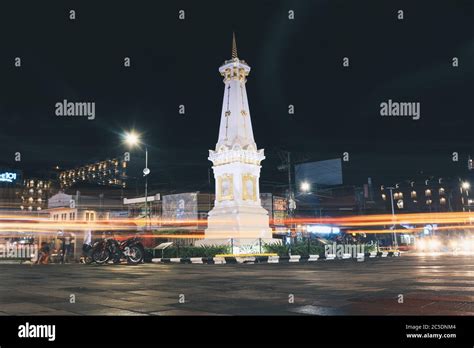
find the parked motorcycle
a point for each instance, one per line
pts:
(108, 249)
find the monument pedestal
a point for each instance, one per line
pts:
(243, 228)
(238, 222)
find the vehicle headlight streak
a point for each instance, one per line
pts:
(366, 224)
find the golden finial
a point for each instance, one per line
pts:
(234, 46)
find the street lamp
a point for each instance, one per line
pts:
(466, 185)
(395, 243)
(133, 139)
(305, 186)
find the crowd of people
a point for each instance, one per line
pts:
(61, 253)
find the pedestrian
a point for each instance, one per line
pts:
(44, 254)
(87, 239)
(87, 247)
(65, 248)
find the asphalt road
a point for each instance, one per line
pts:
(430, 285)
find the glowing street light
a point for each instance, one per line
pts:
(465, 185)
(305, 186)
(132, 138)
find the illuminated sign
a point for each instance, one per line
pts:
(322, 229)
(7, 177)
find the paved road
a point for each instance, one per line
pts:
(430, 285)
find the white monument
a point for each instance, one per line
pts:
(237, 212)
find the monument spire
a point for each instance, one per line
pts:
(234, 47)
(236, 124)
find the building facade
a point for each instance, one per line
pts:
(34, 194)
(108, 173)
(429, 195)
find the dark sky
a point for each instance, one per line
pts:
(295, 62)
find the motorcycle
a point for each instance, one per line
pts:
(108, 249)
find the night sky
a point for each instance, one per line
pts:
(295, 62)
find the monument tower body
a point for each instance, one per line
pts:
(237, 212)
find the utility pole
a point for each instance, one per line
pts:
(290, 189)
(285, 157)
(291, 196)
(395, 243)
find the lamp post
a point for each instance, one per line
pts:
(305, 187)
(133, 139)
(395, 243)
(146, 171)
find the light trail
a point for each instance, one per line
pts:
(412, 230)
(388, 219)
(15, 223)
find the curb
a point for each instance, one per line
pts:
(273, 259)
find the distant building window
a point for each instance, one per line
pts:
(441, 191)
(398, 195)
(428, 193)
(442, 201)
(428, 202)
(384, 197)
(413, 194)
